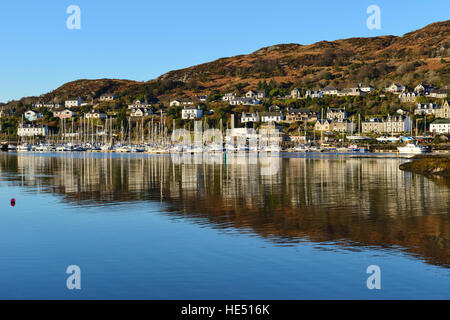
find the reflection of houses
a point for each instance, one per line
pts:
(307, 198)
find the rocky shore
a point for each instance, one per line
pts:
(430, 165)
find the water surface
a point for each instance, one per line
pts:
(162, 227)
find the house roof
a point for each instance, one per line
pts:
(271, 114)
(441, 121)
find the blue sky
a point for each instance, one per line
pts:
(140, 40)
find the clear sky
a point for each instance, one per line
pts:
(142, 39)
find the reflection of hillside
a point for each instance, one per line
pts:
(352, 201)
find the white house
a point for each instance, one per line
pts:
(141, 112)
(93, 114)
(336, 113)
(27, 130)
(261, 94)
(251, 94)
(272, 116)
(108, 97)
(408, 96)
(296, 93)
(330, 90)
(440, 94)
(31, 115)
(139, 104)
(229, 96)
(440, 126)
(397, 124)
(49, 105)
(175, 103)
(64, 114)
(395, 88)
(423, 88)
(426, 108)
(244, 101)
(313, 94)
(73, 103)
(366, 88)
(191, 113)
(249, 117)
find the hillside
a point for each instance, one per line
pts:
(418, 56)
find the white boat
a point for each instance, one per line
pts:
(43, 148)
(23, 147)
(123, 149)
(412, 148)
(137, 149)
(12, 147)
(355, 148)
(215, 147)
(272, 148)
(106, 147)
(301, 148)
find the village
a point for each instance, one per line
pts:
(104, 123)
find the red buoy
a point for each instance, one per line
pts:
(13, 202)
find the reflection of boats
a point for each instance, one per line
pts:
(412, 148)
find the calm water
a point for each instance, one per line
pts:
(161, 227)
